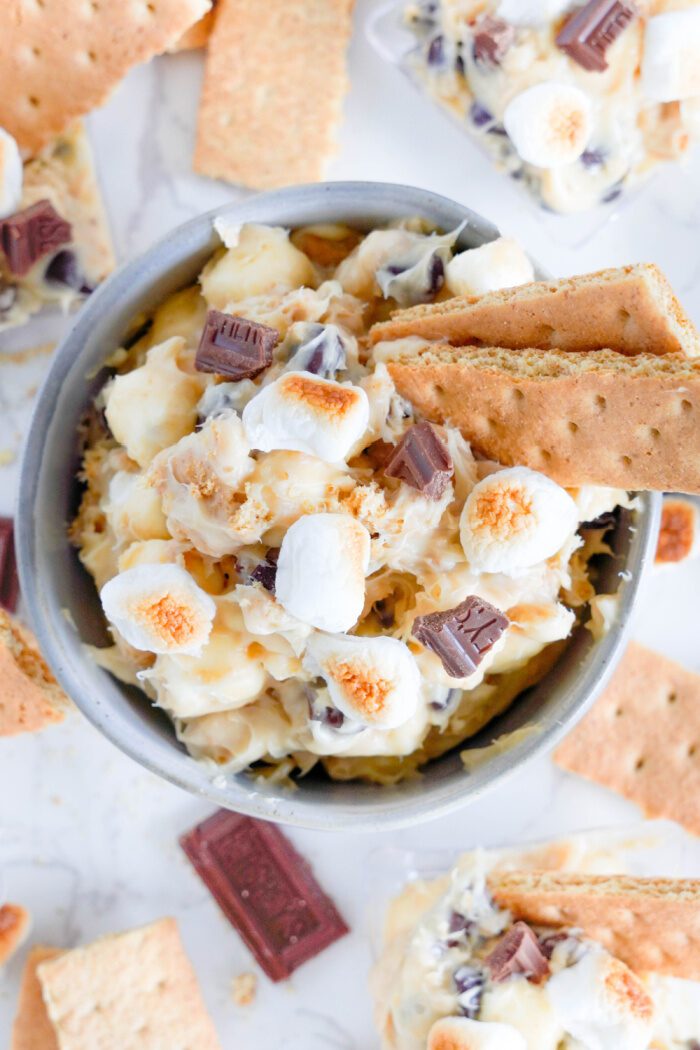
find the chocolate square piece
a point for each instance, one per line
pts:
(461, 636)
(266, 890)
(518, 952)
(588, 34)
(491, 39)
(234, 346)
(421, 459)
(9, 580)
(30, 234)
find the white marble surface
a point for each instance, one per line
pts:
(89, 840)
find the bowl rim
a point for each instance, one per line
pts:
(444, 797)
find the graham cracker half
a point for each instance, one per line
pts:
(32, 1029)
(590, 418)
(197, 35)
(14, 927)
(62, 58)
(30, 697)
(273, 90)
(631, 309)
(642, 737)
(650, 924)
(128, 991)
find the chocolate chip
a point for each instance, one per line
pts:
(492, 37)
(331, 716)
(450, 700)
(234, 346)
(421, 459)
(30, 234)
(480, 115)
(549, 943)
(64, 269)
(590, 31)
(460, 927)
(518, 952)
(321, 352)
(461, 636)
(469, 982)
(266, 572)
(436, 51)
(592, 158)
(612, 194)
(9, 580)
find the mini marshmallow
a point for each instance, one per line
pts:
(461, 1033)
(499, 264)
(304, 413)
(374, 681)
(514, 519)
(159, 609)
(600, 1002)
(671, 61)
(321, 571)
(11, 173)
(532, 13)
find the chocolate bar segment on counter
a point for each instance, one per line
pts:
(266, 890)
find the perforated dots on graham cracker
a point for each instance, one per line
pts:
(642, 737)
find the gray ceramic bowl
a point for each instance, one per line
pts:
(63, 602)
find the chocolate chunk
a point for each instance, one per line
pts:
(265, 889)
(518, 952)
(461, 636)
(604, 521)
(491, 39)
(9, 580)
(469, 983)
(479, 115)
(459, 927)
(266, 572)
(321, 352)
(421, 460)
(549, 943)
(588, 34)
(436, 51)
(64, 269)
(30, 234)
(233, 346)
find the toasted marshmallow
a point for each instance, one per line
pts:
(11, 172)
(321, 570)
(671, 66)
(304, 413)
(514, 519)
(159, 609)
(600, 1002)
(532, 13)
(499, 264)
(371, 680)
(461, 1033)
(550, 123)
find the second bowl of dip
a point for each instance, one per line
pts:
(344, 788)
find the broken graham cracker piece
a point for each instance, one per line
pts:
(14, 927)
(651, 924)
(273, 91)
(30, 697)
(197, 35)
(591, 418)
(642, 737)
(631, 309)
(64, 57)
(128, 991)
(32, 1029)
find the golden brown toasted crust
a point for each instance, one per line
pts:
(64, 57)
(14, 927)
(642, 737)
(651, 924)
(30, 697)
(631, 309)
(273, 91)
(128, 991)
(598, 418)
(678, 531)
(32, 1029)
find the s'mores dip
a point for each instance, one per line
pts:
(295, 564)
(576, 99)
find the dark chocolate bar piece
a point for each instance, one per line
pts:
(30, 234)
(463, 635)
(422, 460)
(234, 346)
(518, 952)
(266, 890)
(9, 580)
(491, 39)
(588, 34)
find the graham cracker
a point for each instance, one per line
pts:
(128, 991)
(30, 697)
(651, 924)
(14, 927)
(642, 737)
(32, 1029)
(273, 91)
(197, 35)
(630, 309)
(64, 57)
(590, 418)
